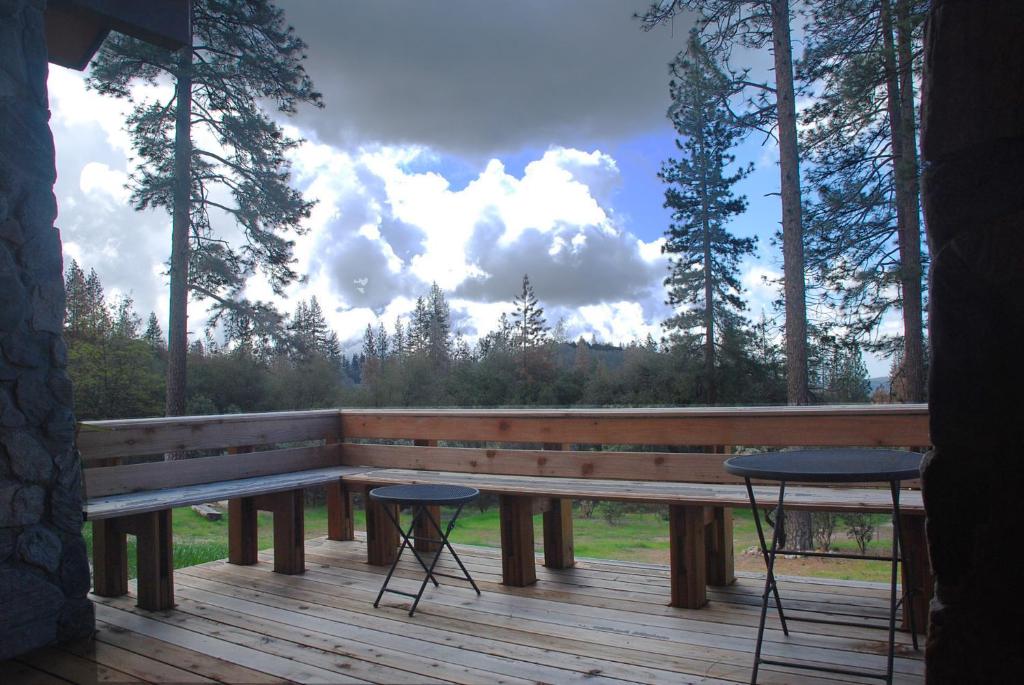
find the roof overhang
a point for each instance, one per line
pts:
(75, 29)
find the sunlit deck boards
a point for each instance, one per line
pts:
(601, 622)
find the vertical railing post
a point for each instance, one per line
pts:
(381, 535)
(341, 524)
(688, 567)
(558, 538)
(518, 562)
(423, 528)
(721, 567)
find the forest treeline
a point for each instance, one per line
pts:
(117, 362)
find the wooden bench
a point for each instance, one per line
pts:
(137, 499)
(697, 491)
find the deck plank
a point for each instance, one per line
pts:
(605, 623)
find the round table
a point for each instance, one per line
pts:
(421, 497)
(832, 466)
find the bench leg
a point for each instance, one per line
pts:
(425, 530)
(518, 564)
(558, 549)
(720, 564)
(340, 513)
(381, 535)
(109, 559)
(242, 531)
(922, 582)
(289, 529)
(156, 561)
(687, 556)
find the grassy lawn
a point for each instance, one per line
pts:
(635, 536)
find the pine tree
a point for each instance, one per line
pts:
(369, 343)
(439, 330)
(154, 335)
(528, 324)
(87, 316)
(724, 26)
(398, 339)
(704, 256)
(419, 328)
(383, 343)
(125, 322)
(242, 54)
(864, 230)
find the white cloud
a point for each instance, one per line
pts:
(97, 177)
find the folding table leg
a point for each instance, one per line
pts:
(769, 582)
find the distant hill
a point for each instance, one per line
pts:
(880, 382)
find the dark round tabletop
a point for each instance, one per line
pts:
(839, 465)
(425, 494)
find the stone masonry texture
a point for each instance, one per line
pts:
(44, 571)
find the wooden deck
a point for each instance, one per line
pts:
(601, 622)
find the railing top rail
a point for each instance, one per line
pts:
(206, 419)
(652, 412)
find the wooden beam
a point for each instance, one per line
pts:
(139, 437)
(239, 463)
(518, 563)
(916, 552)
(381, 534)
(424, 531)
(688, 566)
(109, 559)
(243, 540)
(155, 560)
(689, 467)
(341, 524)
(721, 568)
(558, 535)
(867, 425)
(288, 508)
(557, 517)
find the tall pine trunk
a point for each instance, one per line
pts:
(177, 343)
(909, 200)
(798, 523)
(792, 220)
(709, 291)
(900, 97)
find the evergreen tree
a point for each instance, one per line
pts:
(86, 314)
(382, 341)
(529, 328)
(154, 335)
(419, 328)
(125, 322)
(439, 330)
(242, 54)
(370, 347)
(724, 26)
(864, 230)
(398, 339)
(704, 256)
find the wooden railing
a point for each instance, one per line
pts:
(605, 444)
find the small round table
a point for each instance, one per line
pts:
(420, 498)
(831, 466)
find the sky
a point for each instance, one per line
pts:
(462, 143)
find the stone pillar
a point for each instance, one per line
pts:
(44, 572)
(973, 153)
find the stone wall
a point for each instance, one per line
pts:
(44, 572)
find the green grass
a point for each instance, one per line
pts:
(635, 536)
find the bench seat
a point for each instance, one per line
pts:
(700, 520)
(169, 498)
(804, 497)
